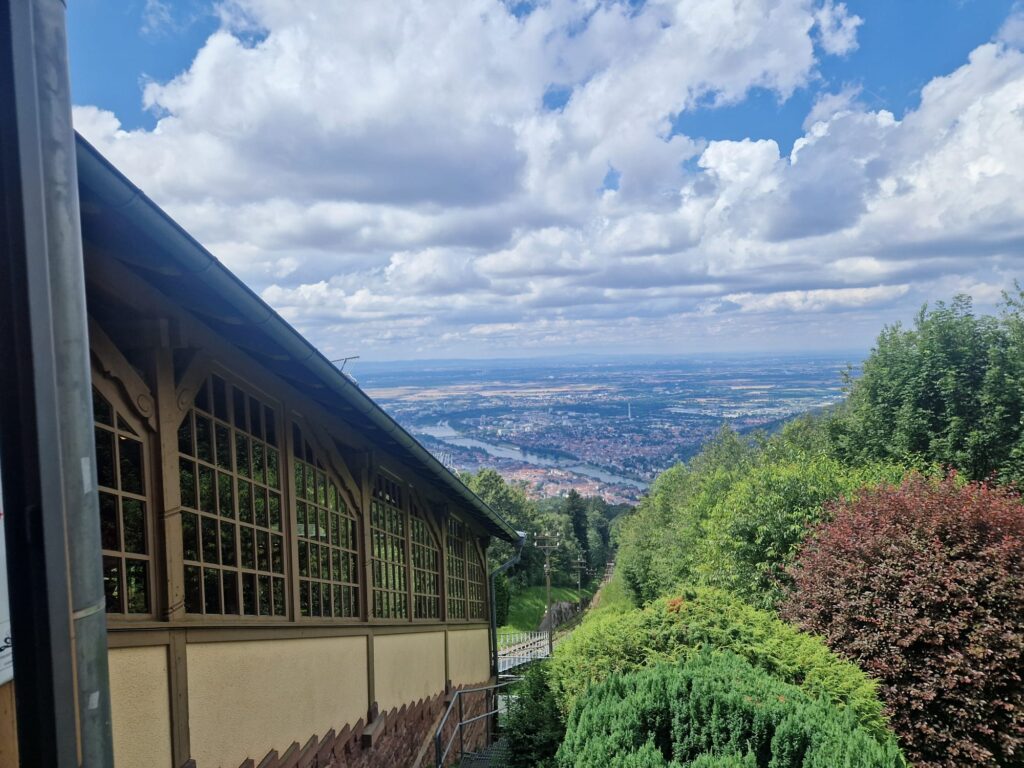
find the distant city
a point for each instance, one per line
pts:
(604, 428)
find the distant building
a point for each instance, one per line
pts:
(283, 563)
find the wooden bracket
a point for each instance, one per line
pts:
(113, 366)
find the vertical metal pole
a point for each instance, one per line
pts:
(46, 444)
(462, 745)
(551, 619)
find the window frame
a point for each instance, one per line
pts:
(121, 406)
(331, 463)
(418, 510)
(478, 560)
(246, 384)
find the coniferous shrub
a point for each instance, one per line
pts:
(715, 709)
(923, 586)
(673, 629)
(533, 726)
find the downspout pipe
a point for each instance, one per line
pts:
(521, 541)
(58, 358)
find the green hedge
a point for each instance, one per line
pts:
(533, 726)
(715, 709)
(673, 629)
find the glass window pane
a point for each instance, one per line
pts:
(105, 471)
(204, 438)
(220, 399)
(223, 435)
(264, 585)
(274, 501)
(271, 424)
(277, 554)
(211, 549)
(211, 590)
(203, 397)
(207, 490)
(190, 535)
(125, 426)
(230, 592)
(226, 495)
(112, 584)
(238, 399)
(227, 543)
(245, 501)
(108, 521)
(249, 593)
(193, 589)
(248, 547)
(185, 436)
(272, 468)
(262, 551)
(102, 412)
(260, 505)
(136, 575)
(133, 514)
(257, 461)
(256, 417)
(187, 477)
(242, 454)
(279, 599)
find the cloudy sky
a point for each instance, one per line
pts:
(485, 178)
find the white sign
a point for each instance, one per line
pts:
(6, 654)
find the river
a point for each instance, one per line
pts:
(447, 434)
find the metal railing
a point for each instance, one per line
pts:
(518, 648)
(442, 748)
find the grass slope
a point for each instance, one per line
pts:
(527, 608)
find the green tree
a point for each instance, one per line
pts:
(948, 391)
(576, 511)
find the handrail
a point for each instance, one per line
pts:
(441, 755)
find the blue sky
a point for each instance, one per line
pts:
(509, 178)
(116, 47)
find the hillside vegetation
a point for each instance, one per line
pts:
(527, 605)
(866, 565)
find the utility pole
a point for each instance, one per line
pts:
(548, 543)
(581, 566)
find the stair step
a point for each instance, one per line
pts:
(495, 755)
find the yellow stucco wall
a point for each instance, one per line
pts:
(141, 707)
(407, 668)
(468, 656)
(247, 698)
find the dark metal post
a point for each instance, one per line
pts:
(46, 444)
(548, 544)
(462, 744)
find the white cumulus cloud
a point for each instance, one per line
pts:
(391, 177)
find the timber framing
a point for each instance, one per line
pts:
(170, 336)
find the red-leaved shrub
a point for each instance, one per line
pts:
(923, 586)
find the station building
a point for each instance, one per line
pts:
(288, 572)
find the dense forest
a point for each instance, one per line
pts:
(846, 591)
(581, 525)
